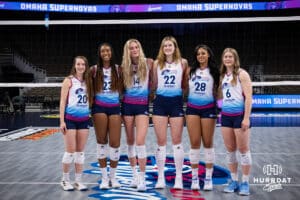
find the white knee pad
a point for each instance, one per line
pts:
(160, 153)
(114, 154)
(209, 155)
(194, 156)
(102, 151)
(68, 158)
(79, 157)
(231, 157)
(141, 151)
(131, 151)
(246, 158)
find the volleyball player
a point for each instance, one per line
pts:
(74, 122)
(236, 108)
(106, 83)
(135, 107)
(168, 71)
(202, 80)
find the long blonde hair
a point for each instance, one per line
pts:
(127, 68)
(236, 65)
(161, 57)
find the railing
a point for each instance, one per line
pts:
(23, 65)
(54, 79)
(6, 56)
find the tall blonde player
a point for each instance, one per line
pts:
(168, 71)
(135, 107)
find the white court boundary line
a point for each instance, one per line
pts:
(148, 21)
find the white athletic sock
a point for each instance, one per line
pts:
(112, 173)
(194, 173)
(142, 175)
(134, 171)
(208, 173)
(178, 158)
(104, 172)
(234, 176)
(160, 160)
(78, 177)
(245, 178)
(66, 177)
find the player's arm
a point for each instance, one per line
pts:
(63, 101)
(247, 91)
(150, 84)
(154, 78)
(185, 81)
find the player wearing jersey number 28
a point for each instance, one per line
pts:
(202, 79)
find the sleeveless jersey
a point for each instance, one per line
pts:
(233, 99)
(138, 92)
(201, 85)
(169, 80)
(107, 97)
(77, 108)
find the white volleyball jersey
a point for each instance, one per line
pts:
(201, 85)
(233, 98)
(77, 107)
(107, 97)
(169, 80)
(138, 92)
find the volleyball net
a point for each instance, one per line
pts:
(275, 103)
(280, 94)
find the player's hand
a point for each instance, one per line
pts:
(63, 127)
(245, 124)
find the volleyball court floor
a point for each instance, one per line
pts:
(31, 166)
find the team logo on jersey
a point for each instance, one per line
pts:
(124, 175)
(79, 91)
(225, 85)
(168, 72)
(165, 72)
(196, 78)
